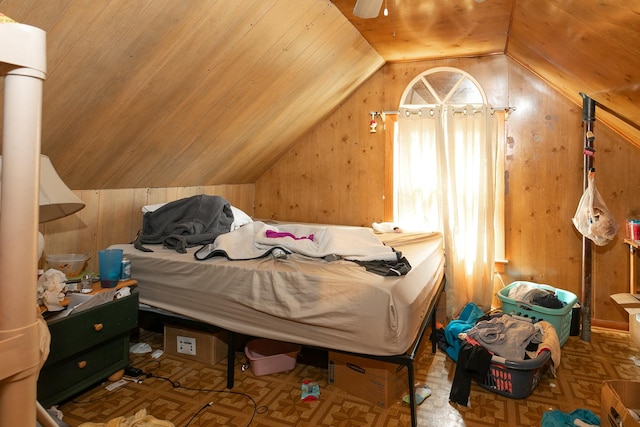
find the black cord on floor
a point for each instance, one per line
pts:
(175, 384)
(198, 413)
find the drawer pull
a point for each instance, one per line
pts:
(82, 364)
(98, 327)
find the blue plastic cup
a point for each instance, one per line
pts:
(110, 264)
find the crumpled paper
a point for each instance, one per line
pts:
(50, 289)
(123, 292)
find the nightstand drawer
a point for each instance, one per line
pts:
(81, 331)
(70, 376)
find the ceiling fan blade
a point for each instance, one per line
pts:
(367, 8)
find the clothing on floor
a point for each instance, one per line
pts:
(468, 317)
(473, 361)
(139, 419)
(579, 417)
(437, 337)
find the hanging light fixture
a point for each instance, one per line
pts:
(385, 12)
(367, 9)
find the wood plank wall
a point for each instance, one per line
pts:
(115, 216)
(335, 174)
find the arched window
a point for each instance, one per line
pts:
(442, 86)
(445, 170)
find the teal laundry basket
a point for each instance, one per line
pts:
(560, 318)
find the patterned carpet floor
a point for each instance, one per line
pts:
(190, 393)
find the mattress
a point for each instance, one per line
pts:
(306, 300)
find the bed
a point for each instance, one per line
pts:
(337, 305)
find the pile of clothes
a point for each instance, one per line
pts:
(475, 337)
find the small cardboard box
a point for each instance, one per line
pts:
(631, 303)
(205, 347)
(379, 382)
(620, 404)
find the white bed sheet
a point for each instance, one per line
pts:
(336, 305)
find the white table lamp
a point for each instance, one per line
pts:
(56, 199)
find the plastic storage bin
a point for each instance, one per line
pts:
(560, 318)
(516, 380)
(268, 356)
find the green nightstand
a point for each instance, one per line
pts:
(87, 347)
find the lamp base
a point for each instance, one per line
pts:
(40, 245)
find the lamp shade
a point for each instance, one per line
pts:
(56, 199)
(367, 9)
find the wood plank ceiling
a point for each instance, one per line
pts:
(433, 29)
(578, 46)
(159, 93)
(192, 92)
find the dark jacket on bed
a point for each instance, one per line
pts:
(192, 221)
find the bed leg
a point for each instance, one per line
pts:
(231, 358)
(433, 332)
(412, 395)
(434, 322)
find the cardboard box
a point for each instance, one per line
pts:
(205, 347)
(634, 327)
(620, 404)
(631, 303)
(379, 382)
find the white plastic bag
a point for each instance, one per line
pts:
(592, 218)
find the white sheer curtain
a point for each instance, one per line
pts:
(417, 182)
(445, 180)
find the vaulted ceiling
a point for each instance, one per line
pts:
(578, 46)
(200, 92)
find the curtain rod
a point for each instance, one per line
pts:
(378, 113)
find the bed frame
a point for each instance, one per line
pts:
(410, 302)
(406, 359)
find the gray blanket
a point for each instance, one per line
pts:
(187, 222)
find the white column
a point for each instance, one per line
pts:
(20, 46)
